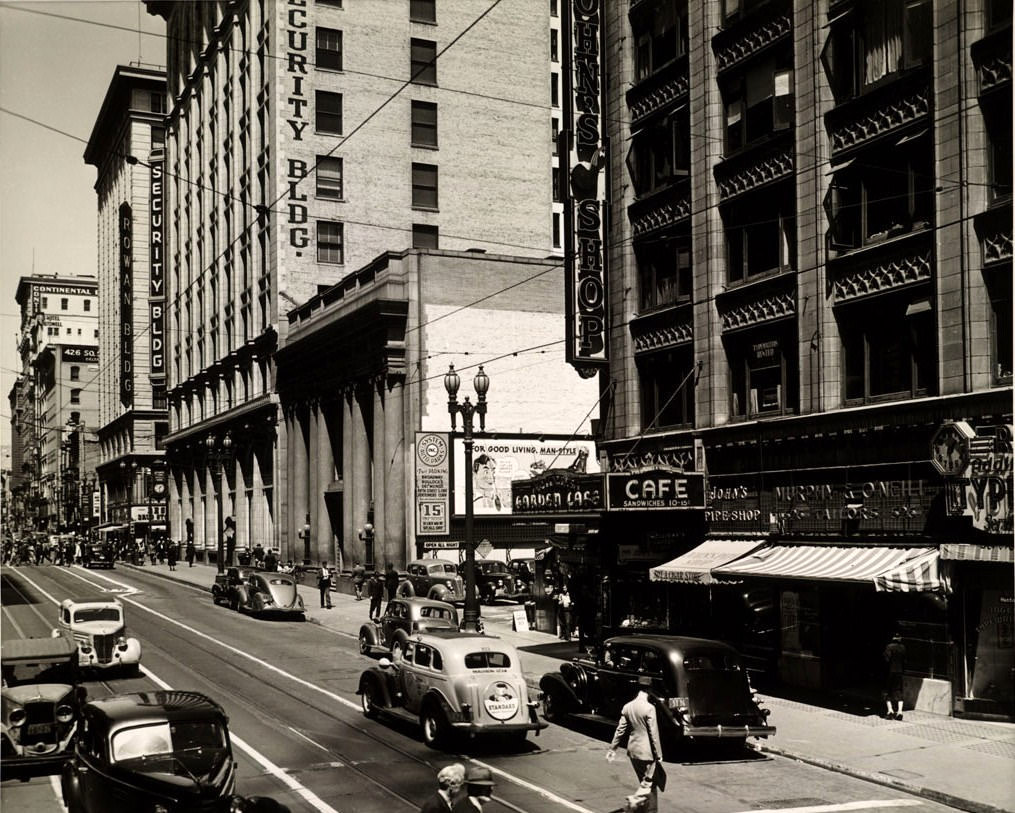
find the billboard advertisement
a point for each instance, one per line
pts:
(433, 483)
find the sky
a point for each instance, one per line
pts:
(55, 71)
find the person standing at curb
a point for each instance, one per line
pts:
(359, 573)
(390, 580)
(324, 585)
(564, 613)
(644, 748)
(895, 663)
(376, 591)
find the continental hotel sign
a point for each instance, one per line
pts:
(582, 148)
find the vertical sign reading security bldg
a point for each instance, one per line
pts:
(586, 198)
(156, 271)
(126, 243)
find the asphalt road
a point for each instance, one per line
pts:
(299, 736)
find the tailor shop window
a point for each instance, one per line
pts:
(888, 349)
(763, 373)
(759, 103)
(667, 388)
(882, 194)
(874, 42)
(659, 31)
(660, 154)
(760, 235)
(664, 272)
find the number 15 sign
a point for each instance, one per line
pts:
(433, 484)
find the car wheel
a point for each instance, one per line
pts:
(553, 706)
(368, 699)
(364, 644)
(434, 730)
(405, 590)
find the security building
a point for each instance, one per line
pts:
(126, 147)
(295, 156)
(809, 289)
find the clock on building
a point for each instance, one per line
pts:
(949, 449)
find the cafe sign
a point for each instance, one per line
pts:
(655, 490)
(558, 491)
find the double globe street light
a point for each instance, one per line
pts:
(219, 452)
(467, 410)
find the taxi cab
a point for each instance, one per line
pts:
(453, 683)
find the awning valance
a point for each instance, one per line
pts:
(893, 569)
(695, 566)
(967, 552)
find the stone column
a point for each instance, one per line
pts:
(395, 543)
(353, 546)
(323, 533)
(361, 465)
(300, 482)
(380, 469)
(287, 514)
(314, 494)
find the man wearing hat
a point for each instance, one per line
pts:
(895, 662)
(479, 789)
(639, 725)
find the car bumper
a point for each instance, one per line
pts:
(485, 728)
(728, 732)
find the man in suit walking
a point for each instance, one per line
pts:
(644, 748)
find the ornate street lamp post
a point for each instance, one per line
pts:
(467, 409)
(219, 453)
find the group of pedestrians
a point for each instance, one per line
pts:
(460, 790)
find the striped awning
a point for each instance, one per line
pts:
(888, 568)
(966, 552)
(695, 566)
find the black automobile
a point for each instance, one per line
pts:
(699, 686)
(225, 590)
(155, 751)
(97, 554)
(495, 580)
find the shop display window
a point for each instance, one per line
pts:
(800, 622)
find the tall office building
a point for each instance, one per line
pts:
(126, 147)
(809, 273)
(305, 139)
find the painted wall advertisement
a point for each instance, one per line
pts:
(433, 484)
(977, 465)
(126, 305)
(156, 271)
(498, 462)
(79, 354)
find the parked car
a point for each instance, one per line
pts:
(496, 580)
(100, 632)
(41, 701)
(700, 687)
(267, 593)
(155, 751)
(433, 578)
(451, 683)
(223, 591)
(402, 618)
(98, 554)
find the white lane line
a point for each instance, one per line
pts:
(124, 589)
(17, 628)
(303, 736)
(869, 804)
(267, 765)
(546, 794)
(54, 781)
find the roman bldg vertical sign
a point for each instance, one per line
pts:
(126, 244)
(297, 103)
(156, 270)
(585, 197)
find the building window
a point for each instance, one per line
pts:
(763, 373)
(88, 305)
(329, 49)
(329, 112)
(159, 400)
(554, 90)
(997, 118)
(45, 301)
(158, 103)
(667, 388)
(661, 154)
(1001, 338)
(555, 182)
(555, 135)
(64, 304)
(333, 3)
(554, 46)
(158, 137)
(424, 236)
(424, 186)
(664, 272)
(760, 240)
(760, 103)
(659, 36)
(423, 11)
(330, 242)
(733, 10)
(329, 177)
(890, 192)
(554, 11)
(556, 229)
(874, 42)
(998, 13)
(75, 396)
(888, 349)
(75, 373)
(423, 62)
(424, 124)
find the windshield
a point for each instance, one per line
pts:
(492, 567)
(198, 743)
(440, 569)
(487, 660)
(97, 614)
(712, 661)
(19, 674)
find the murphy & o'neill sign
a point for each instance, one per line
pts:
(655, 490)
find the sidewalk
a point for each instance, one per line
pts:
(965, 764)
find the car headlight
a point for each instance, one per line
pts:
(64, 713)
(86, 649)
(17, 718)
(451, 585)
(160, 809)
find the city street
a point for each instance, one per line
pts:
(299, 736)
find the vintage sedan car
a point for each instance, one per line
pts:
(496, 580)
(404, 617)
(433, 578)
(451, 683)
(267, 593)
(101, 635)
(223, 591)
(154, 751)
(41, 701)
(98, 554)
(700, 687)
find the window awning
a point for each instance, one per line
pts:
(695, 566)
(889, 569)
(968, 552)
